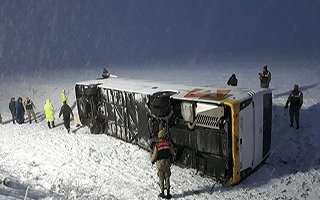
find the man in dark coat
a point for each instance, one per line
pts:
(12, 107)
(20, 111)
(265, 77)
(162, 155)
(233, 81)
(66, 112)
(296, 100)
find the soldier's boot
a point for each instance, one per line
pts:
(49, 125)
(162, 195)
(35, 120)
(169, 196)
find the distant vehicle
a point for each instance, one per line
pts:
(224, 132)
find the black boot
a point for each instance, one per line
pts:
(35, 121)
(161, 195)
(49, 125)
(298, 126)
(52, 124)
(169, 196)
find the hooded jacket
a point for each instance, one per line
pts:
(49, 110)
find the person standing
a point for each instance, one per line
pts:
(29, 107)
(12, 107)
(295, 100)
(162, 155)
(64, 97)
(49, 110)
(233, 81)
(265, 77)
(66, 112)
(20, 111)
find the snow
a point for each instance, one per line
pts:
(53, 164)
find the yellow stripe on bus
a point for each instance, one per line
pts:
(235, 109)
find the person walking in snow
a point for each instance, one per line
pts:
(20, 111)
(233, 81)
(265, 77)
(64, 97)
(49, 111)
(29, 107)
(162, 156)
(12, 108)
(66, 112)
(295, 100)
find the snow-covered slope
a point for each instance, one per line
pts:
(83, 166)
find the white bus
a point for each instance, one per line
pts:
(224, 132)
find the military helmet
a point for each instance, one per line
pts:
(162, 134)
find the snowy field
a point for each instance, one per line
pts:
(51, 164)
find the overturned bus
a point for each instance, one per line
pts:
(224, 132)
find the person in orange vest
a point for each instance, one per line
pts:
(162, 156)
(295, 100)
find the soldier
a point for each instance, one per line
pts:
(265, 77)
(233, 81)
(49, 110)
(162, 155)
(29, 107)
(66, 112)
(12, 107)
(296, 100)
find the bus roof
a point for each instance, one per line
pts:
(208, 93)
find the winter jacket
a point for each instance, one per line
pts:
(20, 110)
(265, 78)
(29, 104)
(49, 110)
(12, 107)
(64, 98)
(295, 99)
(162, 155)
(233, 81)
(65, 111)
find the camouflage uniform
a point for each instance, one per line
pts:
(265, 78)
(162, 155)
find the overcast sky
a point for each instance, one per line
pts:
(55, 34)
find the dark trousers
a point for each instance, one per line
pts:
(13, 118)
(52, 123)
(66, 122)
(294, 114)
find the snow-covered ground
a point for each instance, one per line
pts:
(55, 165)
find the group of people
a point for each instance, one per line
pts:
(65, 111)
(295, 98)
(19, 107)
(264, 77)
(163, 150)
